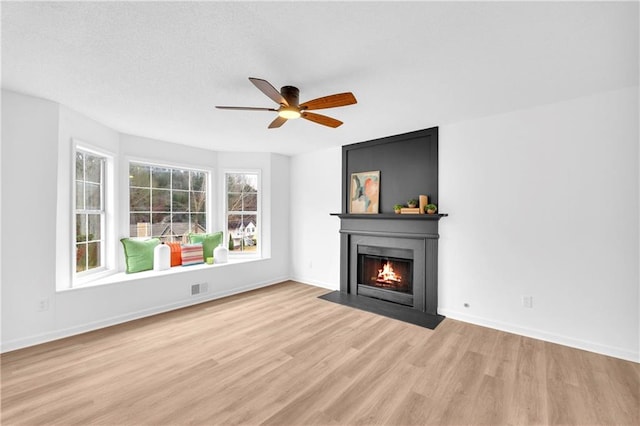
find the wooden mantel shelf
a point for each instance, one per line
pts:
(436, 216)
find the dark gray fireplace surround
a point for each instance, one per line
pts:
(408, 165)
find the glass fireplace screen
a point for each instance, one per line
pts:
(386, 272)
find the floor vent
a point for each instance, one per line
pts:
(199, 288)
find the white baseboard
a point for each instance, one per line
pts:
(328, 286)
(615, 352)
(37, 339)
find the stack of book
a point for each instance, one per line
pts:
(410, 210)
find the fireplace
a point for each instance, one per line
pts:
(389, 265)
(386, 273)
(388, 261)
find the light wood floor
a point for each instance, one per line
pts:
(281, 356)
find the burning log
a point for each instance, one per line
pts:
(386, 275)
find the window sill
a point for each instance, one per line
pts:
(120, 277)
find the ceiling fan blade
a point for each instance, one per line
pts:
(321, 119)
(266, 88)
(246, 108)
(331, 101)
(279, 121)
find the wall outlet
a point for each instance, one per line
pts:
(527, 301)
(43, 305)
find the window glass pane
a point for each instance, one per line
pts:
(198, 223)
(79, 195)
(234, 202)
(160, 224)
(94, 224)
(79, 165)
(136, 218)
(180, 179)
(139, 175)
(198, 181)
(179, 225)
(234, 228)
(93, 168)
(139, 199)
(249, 235)
(250, 202)
(161, 200)
(234, 183)
(180, 201)
(198, 202)
(160, 177)
(92, 196)
(250, 183)
(81, 257)
(140, 225)
(93, 255)
(81, 227)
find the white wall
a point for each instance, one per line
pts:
(315, 192)
(34, 133)
(560, 183)
(29, 142)
(542, 202)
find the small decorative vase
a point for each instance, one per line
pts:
(161, 257)
(220, 254)
(398, 211)
(424, 200)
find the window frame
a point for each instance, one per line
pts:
(107, 221)
(126, 211)
(225, 212)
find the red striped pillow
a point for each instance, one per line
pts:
(192, 254)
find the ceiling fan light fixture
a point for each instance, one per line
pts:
(289, 113)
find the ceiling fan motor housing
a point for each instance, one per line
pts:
(291, 94)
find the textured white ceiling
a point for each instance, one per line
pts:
(156, 69)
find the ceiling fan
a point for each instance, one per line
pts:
(288, 98)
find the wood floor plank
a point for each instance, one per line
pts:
(281, 356)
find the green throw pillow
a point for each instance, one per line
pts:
(209, 242)
(138, 253)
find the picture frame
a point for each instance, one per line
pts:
(364, 192)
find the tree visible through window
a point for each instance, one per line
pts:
(89, 211)
(165, 202)
(242, 211)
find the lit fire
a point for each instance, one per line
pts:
(387, 275)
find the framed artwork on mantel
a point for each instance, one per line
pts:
(364, 195)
